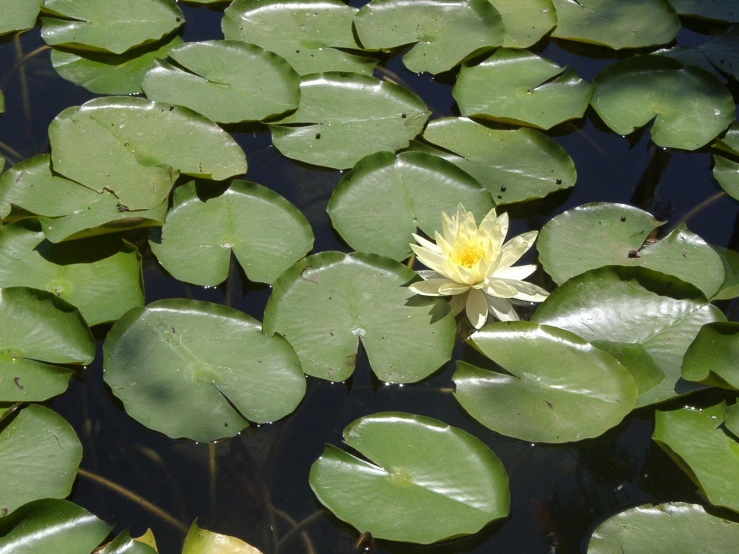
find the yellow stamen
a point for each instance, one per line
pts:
(468, 254)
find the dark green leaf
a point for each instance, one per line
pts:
(714, 353)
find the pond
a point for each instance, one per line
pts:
(255, 485)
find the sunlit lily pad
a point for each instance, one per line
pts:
(199, 370)
(716, 10)
(343, 117)
(51, 525)
(726, 172)
(40, 453)
(101, 276)
(413, 469)
(714, 353)
(731, 419)
(265, 232)
(387, 197)
(723, 50)
(555, 387)
(645, 371)
(443, 33)
(674, 527)
(326, 303)
(525, 21)
(109, 26)
(134, 147)
(307, 34)
(514, 165)
(124, 544)
(632, 306)
(516, 86)
(697, 442)
(225, 80)
(730, 141)
(202, 541)
(631, 24)
(18, 16)
(690, 107)
(730, 287)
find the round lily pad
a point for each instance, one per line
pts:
(726, 172)
(525, 21)
(715, 10)
(731, 419)
(714, 353)
(723, 50)
(265, 232)
(18, 16)
(387, 197)
(516, 86)
(202, 541)
(413, 469)
(730, 287)
(326, 303)
(730, 141)
(124, 544)
(199, 370)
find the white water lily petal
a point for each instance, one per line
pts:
(516, 247)
(427, 274)
(517, 273)
(432, 260)
(477, 308)
(427, 244)
(430, 287)
(501, 289)
(457, 303)
(495, 228)
(449, 227)
(527, 291)
(468, 226)
(446, 248)
(450, 288)
(501, 309)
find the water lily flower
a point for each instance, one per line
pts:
(473, 266)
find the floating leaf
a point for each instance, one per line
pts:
(514, 165)
(622, 24)
(326, 303)
(265, 232)
(199, 370)
(631, 306)
(101, 276)
(443, 33)
(726, 172)
(386, 197)
(716, 10)
(691, 56)
(109, 26)
(525, 21)
(731, 419)
(307, 34)
(148, 539)
(516, 86)
(695, 440)
(124, 544)
(18, 16)
(714, 353)
(133, 148)
(643, 369)
(41, 454)
(227, 81)
(723, 50)
(671, 527)
(730, 141)
(343, 117)
(689, 106)
(415, 469)
(730, 288)
(202, 541)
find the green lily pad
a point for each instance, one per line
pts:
(414, 469)
(516, 86)
(51, 525)
(225, 80)
(643, 369)
(714, 353)
(690, 107)
(105, 73)
(514, 165)
(672, 527)
(525, 21)
(715, 10)
(265, 232)
(599, 234)
(199, 370)
(101, 276)
(134, 148)
(723, 50)
(555, 386)
(731, 419)
(202, 541)
(41, 454)
(387, 197)
(18, 16)
(308, 35)
(443, 33)
(631, 24)
(730, 141)
(344, 117)
(632, 306)
(109, 26)
(726, 172)
(691, 56)
(124, 544)
(326, 303)
(730, 288)
(37, 329)
(695, 440)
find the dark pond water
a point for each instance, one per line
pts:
(255, 486)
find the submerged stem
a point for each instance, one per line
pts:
(693, 212)
(298, 528)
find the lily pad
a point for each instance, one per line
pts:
(525, 21)
(309, 35)
(714, 353)
(696, 441)
(599, 234)
(555, 387)
(726, 172)
(622, 24)
(124, 544)
(514, 165)
(51, 525)
(723, 50)
(109, 26)
(516, 86)
(443, 33)
(715, 10)
(671, 527)
(632, 306)
(225, 80)
(414, 469)
(643, 369)
(41, 454)
(18, 16)
(730, 141)
(326, 303)
(731, 419)
(199, 370)
(344, 117)
(387, 197)
(265, 232)
(730, 288)
(202, 541)
(134, 148)
(101, 276)
(690, 107)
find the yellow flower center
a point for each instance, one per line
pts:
(468, 254)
